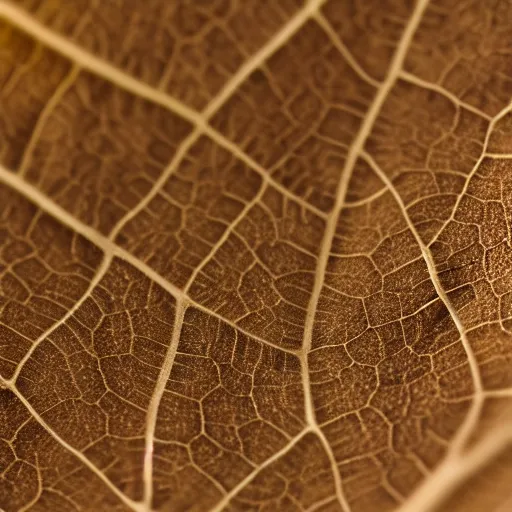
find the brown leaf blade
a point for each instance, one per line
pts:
(255, 256)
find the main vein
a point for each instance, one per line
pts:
(346, 173)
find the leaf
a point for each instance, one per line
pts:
(255, 256)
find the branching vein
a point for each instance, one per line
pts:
(107, 71)
(137, 507)
(110, 248)
(154, 404)
(233, 492)
(476, 406)
(100, 273)
(353, 154)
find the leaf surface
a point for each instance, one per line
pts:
(255, 256)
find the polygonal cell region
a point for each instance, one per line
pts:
(298, 114)
(189, 49)
(473, 255)
(465, 48)
(185, 221)
(45, 268)
(389, 375)
(100, 150)
(301, 479)
(37, 473)
(230, 404)
(29, 77)
(92, 378)
(262, 276)
(427, 146)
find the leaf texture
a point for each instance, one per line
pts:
(255, 255)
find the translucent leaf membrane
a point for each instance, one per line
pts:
(255, 256)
